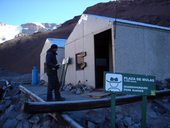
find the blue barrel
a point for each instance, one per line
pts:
(34, 76)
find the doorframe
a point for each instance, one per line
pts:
(111, 52)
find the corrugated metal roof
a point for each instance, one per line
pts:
(127, 21)
(57, 41)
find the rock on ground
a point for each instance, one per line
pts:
(12, 115)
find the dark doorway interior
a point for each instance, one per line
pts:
(103, 55)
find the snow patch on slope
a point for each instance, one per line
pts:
(39, 24)
(8, 32)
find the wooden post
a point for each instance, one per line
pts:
(144, 109)
(113, 110)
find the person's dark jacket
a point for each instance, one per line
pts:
(51, 63)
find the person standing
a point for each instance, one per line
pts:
(51, 69)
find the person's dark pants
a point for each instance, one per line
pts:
(1, 93)
(53, 85)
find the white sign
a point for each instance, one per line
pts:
(113, 82)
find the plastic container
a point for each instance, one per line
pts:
(34, 76)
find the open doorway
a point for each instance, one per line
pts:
(103, 55)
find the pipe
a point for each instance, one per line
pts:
(73, 123)
(30, 94)
(62, 106)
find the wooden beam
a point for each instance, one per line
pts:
(62, 106)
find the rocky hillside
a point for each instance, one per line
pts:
(22, 53)
(147, 11)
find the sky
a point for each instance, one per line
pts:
(16, 12)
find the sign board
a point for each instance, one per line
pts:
(80, 64)
(129, 83)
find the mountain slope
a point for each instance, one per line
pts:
(22, 53)
(148, 11)
(8, 32)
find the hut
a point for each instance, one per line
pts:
(60, 56)
(98, 44)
